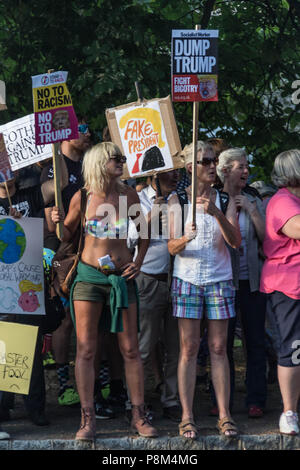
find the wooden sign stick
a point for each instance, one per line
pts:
(194, 162)
(57, 188)
(8, 196)
(57, 178)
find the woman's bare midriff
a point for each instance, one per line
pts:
(95, 248)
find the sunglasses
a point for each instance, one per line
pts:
(83, 128)
(119, 158)
(207, 161)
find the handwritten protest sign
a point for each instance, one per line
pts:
(5, 168)
(194, 65)
(147, 134)
(21, 266)
(17, 349)
(55, 118)
(19, 138)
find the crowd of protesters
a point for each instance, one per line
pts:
(154, 284)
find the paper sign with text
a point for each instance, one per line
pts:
(17, 350)
(19, 138)
(21, 266)
(194, 65)
(5, 168)
(55, 118)
(144, 139)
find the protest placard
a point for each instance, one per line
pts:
(21, 266)
(2, 96)
(55, 118)
(194, 65)
(19, 138)
(147, 134)
(5, 168)
(17, 349)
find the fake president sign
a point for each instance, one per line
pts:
(194, 65)
(55, 118)
(147, 134)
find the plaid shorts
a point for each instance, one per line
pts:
(214, 301)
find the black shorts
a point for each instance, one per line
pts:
(287, 316)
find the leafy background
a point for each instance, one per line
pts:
(107, 45)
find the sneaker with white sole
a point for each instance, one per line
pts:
(288, 423)
(3, 434)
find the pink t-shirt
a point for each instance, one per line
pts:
(281, 270)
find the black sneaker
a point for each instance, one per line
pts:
(103, 410)
(117, 401)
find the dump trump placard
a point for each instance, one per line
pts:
(55, 118)
(147, 134)
(17, 350)
(194, 65)
(19, 138)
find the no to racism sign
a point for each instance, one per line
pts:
(194, 65)
(55, 118)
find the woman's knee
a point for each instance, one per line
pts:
(85, 351)
(189, 350)
(218, 349)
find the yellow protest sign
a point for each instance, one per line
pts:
(17, 349)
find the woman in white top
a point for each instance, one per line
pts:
(202, 282)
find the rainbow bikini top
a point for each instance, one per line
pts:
(101, 228)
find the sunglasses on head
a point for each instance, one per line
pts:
(83, 128)
(119, 158)
(207, 161)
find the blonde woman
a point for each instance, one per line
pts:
(109, 202)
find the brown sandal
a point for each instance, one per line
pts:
(188, 425)
(227, 424)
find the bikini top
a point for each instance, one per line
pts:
(106, 229)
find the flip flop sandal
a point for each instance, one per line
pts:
(227, 424)
(186, 426)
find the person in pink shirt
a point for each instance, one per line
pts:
(281, 279)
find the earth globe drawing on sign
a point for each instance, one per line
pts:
(12, 241)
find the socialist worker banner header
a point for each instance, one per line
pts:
(195, 65)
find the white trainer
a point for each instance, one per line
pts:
(288, 423)
(4, 435)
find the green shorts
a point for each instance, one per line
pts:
(100, 293)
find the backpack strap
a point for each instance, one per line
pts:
(224, 200)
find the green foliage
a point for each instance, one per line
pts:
(107, 45)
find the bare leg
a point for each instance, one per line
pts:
(289, 382)
(217, 343)
(189, 337)
(128, 342)
(87, 318)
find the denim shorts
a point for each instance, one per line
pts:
(214, 301)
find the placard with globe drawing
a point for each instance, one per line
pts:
(21, 266)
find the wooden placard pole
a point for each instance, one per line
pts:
(57, 178)
(56, 156)
(8, 195)
(194, 162)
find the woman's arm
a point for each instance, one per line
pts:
(292, 227)
(255, 215)
(228, 224)
(178, 241)
(72, 219)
